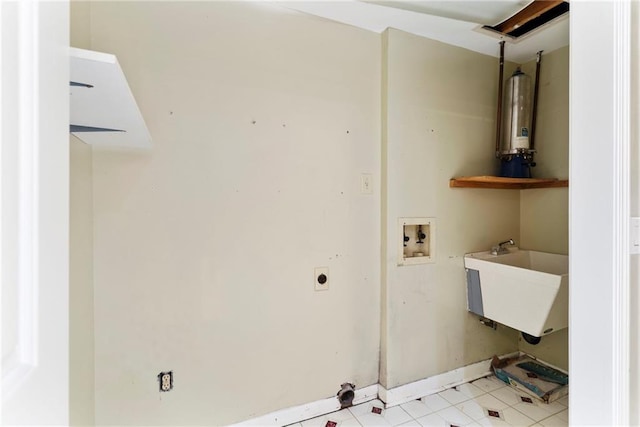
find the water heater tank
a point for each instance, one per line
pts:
(516, 119)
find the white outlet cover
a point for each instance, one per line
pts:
(317, 273)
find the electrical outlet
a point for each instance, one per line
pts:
(321, 278)
(166, 380)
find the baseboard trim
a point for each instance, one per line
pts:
(392, 397)
(309, 410)
(435, 384)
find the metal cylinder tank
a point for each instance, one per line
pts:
(516, 110)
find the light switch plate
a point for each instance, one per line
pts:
(366, 183)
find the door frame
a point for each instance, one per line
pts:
(599, 215)
(34, 213)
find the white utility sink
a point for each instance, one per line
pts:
(525, 290)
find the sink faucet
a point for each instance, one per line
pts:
(500, 249)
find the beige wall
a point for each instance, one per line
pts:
(544, 216)
(262, 121)
(80, 19)
(81, 324)
(205, 245)
(440, 121)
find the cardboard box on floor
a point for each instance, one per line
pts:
(532, 377)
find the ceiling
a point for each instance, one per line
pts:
(478, 11)
(454, 22)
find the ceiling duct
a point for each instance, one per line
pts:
(532, 17)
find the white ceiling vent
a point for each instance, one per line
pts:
(103, 111)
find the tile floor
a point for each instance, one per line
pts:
(484, 402)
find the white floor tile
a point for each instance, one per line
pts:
(564, 401)
(373, 421)
(492, 422)
(470, 390)
(489, 383)
(341, 415)
(396, 416)
(435, 402)
(536, 411)
(515, 418)
(325, 421)
(373, 414)
(554, 421)
(412, 423)
(564, 415)
(472, 409)
(453, 396)
(294, 425)
(315, 422)
(367, 415)
(342, 418)
(553, 407)
(477, 408)
(508, 395)
(365, 408)
(490, 402)
(417, 408)
(433, 420)
(455, 416)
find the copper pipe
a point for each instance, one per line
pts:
(500, 84)
(536, 88)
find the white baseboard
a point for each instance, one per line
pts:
(392, 397)
(415, 390)
(310, 410)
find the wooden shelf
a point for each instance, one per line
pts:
(506, 183)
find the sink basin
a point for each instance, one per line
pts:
(525, 290)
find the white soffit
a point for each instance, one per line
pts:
(469, 35)
(108, 103)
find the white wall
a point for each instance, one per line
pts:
(544, 214)
(262, 121)
(81, 325)
(635, 211)
(440, 104)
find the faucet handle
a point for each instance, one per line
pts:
(500, 249)
(510, 241)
